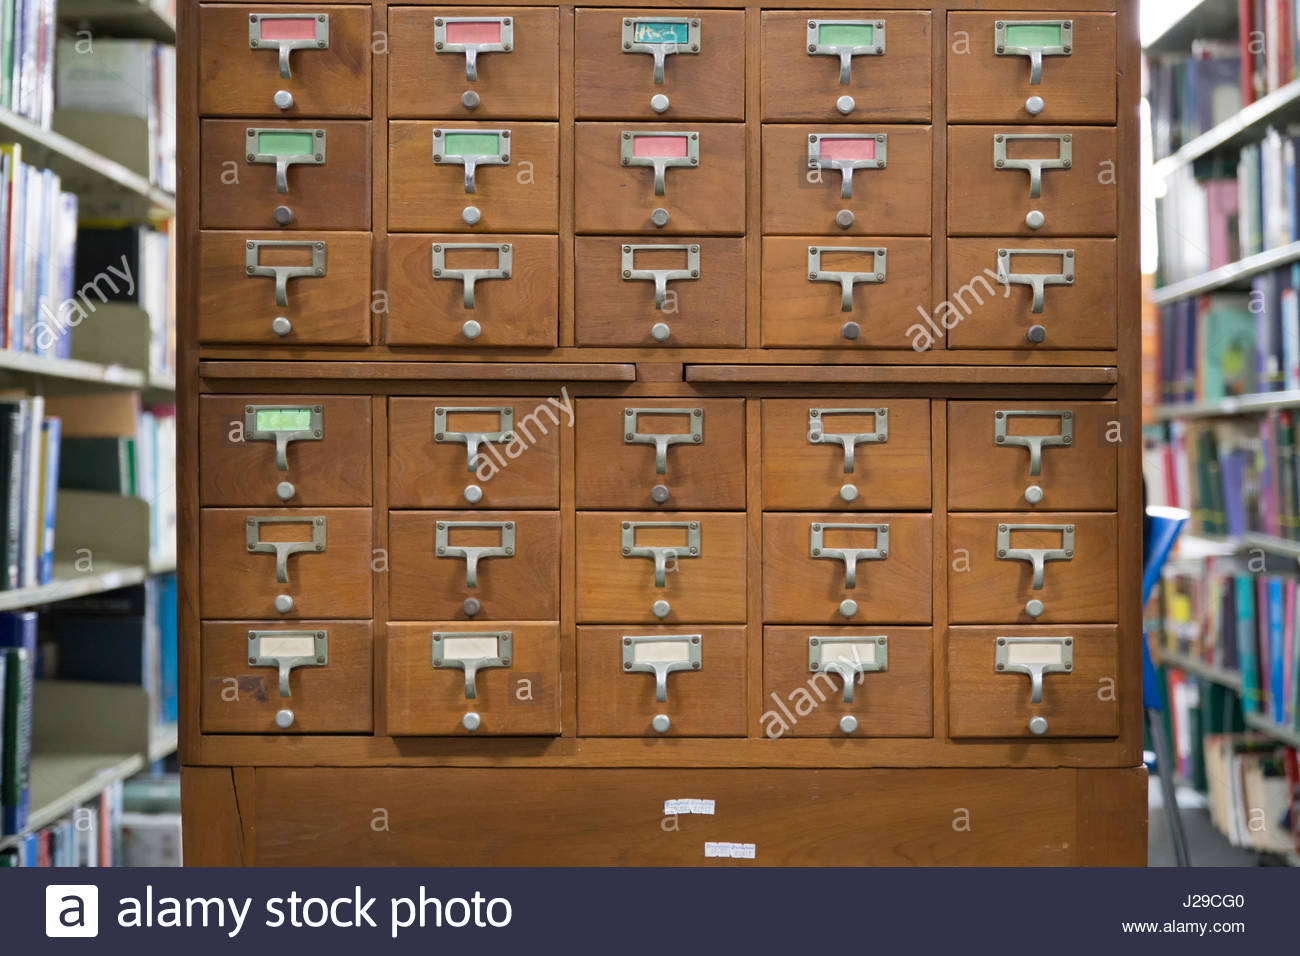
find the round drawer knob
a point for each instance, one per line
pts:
(471, 721)
(473, 494)
(659, 217)
(848, 607)
(659, 103)
(844, 218)
(848, 492)
(281, 326)
(471, 215)
(285, 490)
(659, 494)
(661, 723)
(1034, 105)
(283, 99)
(848, 724)
(283, 215)
(471, 329)
(845, 105)
(469, 100)
(851, 331)
(1034, 608)
(283, 603)
(1035, 219)
(471, 606)
(660, 609)
(284, 719)
(1033, 494)
(1037, 334)
(660, 332)
(1038, 726)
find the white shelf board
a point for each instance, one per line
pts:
(1231, 274)
(70, 583)
(61, 782)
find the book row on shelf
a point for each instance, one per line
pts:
(28, 37)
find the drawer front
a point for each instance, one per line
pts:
(995, 82)
(628, 173)
(703, 681)
(890, 578)
(992, 683)
(511, 669)
(1043, 569)
(884, 169)
(245, 692)
(614, 70)
(618, 302)
(1075, 469)
(846, 454)
(244, 575)
(619, 458)
(843, 293)
(431, 77)
(465, 581)
(264, 288)
(239, 192)
(238, 78)
(514, 187)
(465, 457)
(459, 290)
(1039, 294)
(265, 450)
(847, 682)
(637, 567)
(1075, 200)
(888, 68)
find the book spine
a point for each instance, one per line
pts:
(15, 793)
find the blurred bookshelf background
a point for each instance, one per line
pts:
(87, 434)
(1221, 383)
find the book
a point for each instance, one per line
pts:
(51, 429)
(11, 442)
(97, 464)
(15, 792)
(1247, 633)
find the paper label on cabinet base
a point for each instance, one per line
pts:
(685, 805)
(736, 851)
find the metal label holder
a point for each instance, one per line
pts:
(315, 430)
(847, 166)
(660, 49)
(473, 554)
(688, 648)
(1035, 52)
(282, 274)
(821, 659)
(846, 52)
(660, 164)
(660, 554)
(1005, 651)
(472, 440)
(320, 41)
(471, 161)
(443, 644)
(849, 441)
(1037, 558)
(283, 549)
(472, 50)
(505, 263)
(695, 435)
(847, 280)
(257, 657)
(661, 277)
(1038, 281)
(282, 162)
(1035, 167)
(850, 556)
(1035, 443)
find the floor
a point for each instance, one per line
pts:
(1206, 845)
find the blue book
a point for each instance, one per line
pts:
(1276, 643)
(51, 432)
(169, 684)
(1247, 642)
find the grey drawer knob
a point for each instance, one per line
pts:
(471, 721)
(660, 331)
(473, 494)
(848, 493)
(469, 99)
(281, 326)
(1035, 220)
(851, 331)
(471, 606)
(1034, 105)
(283, 99)
(848, 724)
(471, 215)
(661, 723)
(659, 217)
(1033, 494)
(283, 603)
(471, 329)
(661, 609)
(1034, 608)
(848, 607)
(659, 494)
(284, 719)
(285, 490)
(659, 103)
(844, 218)
(1038, 726)
(845, 104)
(1037, 334)
(283, 215)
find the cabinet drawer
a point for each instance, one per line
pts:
(888, 67)
(846, 454)
(1026, 569)
(867, 567)
(1033, 293)
(514, 185)
(987, 199)
(991, 72)
(615, 74)
(273, 564)
(1032, 456)
(991, 682)
(511, 668)
(496, 565)
(884, 169)
(639, 567)
(433, 52)
(617, 303)
(460, 290)
(266, 450)
(703, 676)
(264, 288)
(628, 172)
(246, 51)
(847, 682)
(487, 453)
(864, 295)
(241, 186)
(328, 692)
(622, 464)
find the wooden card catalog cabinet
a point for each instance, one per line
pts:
(725, 398)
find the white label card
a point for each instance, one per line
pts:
(688, 805)
(734, 851)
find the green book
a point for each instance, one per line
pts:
(97, 464)
(1248, 643)
(15, 768)
(7, 54)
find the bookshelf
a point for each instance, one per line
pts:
(1205, 18)
(1209, 672)
(63, 782)
(1279, 107)
(133, 18)
(1233, 274)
